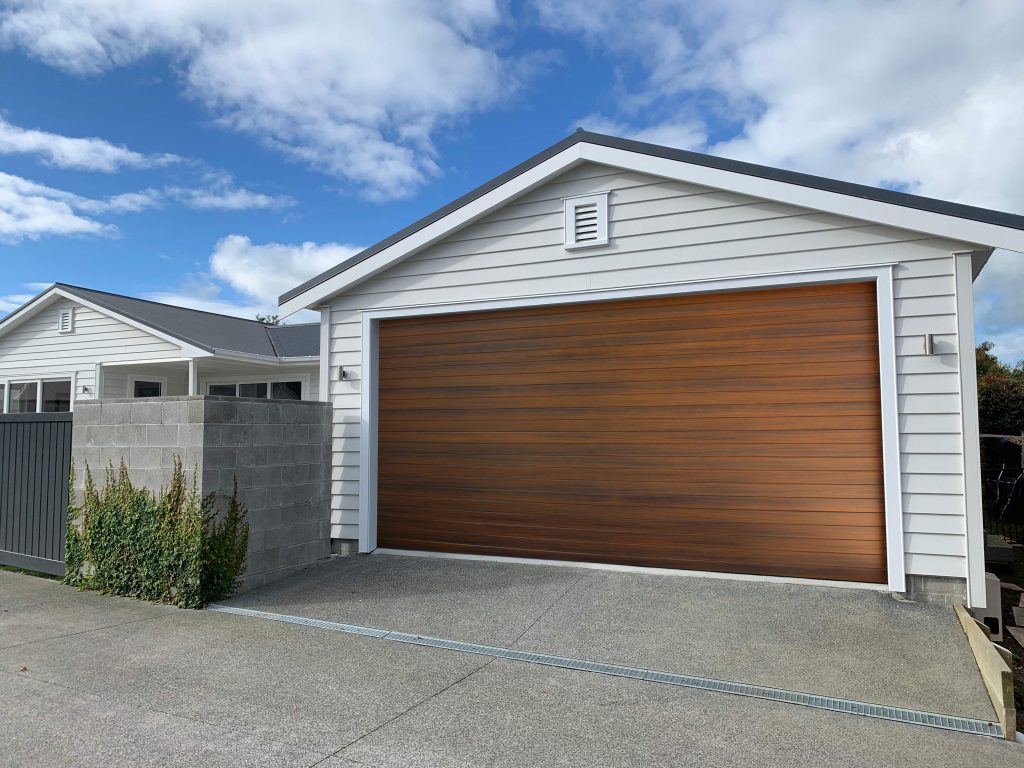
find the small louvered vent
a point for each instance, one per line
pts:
(586, 220)
(66, 321)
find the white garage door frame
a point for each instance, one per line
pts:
(880, 274)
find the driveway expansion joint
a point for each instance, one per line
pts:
(800, 698)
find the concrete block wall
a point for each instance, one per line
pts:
(279, 451)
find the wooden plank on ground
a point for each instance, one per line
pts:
(994, 672)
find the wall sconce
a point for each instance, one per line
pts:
(84, 390)
(929, 343)
(342, 373)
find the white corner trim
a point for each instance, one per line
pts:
(325, 354)
(975, 533)
(881, 274)
(895, 555)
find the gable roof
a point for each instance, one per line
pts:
(207, 331)
(952, 220)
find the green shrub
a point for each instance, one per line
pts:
(167, 547)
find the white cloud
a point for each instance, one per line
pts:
(220, 193)
(263, 272)
(12, 301)
(255, 274)
(355, 90)
(29, 210)
(87, 154)
(923, 95)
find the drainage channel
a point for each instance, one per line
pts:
(829, 703)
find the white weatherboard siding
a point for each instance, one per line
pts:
(34, 349)
(669, 232)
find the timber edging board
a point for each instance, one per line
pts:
(994, 670)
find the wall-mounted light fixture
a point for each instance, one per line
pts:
(342, 373)
(929, 343)
(85, 389)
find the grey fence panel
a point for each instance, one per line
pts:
(35, 461)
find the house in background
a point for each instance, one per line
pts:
(625, 354)
(71, 343)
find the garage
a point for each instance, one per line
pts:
(735, 432)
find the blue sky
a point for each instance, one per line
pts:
(215, 154)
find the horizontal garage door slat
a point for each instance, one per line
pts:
(734, 432)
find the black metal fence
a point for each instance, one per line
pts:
(35, 461)
(1003, 501)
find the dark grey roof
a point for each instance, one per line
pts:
(932, 205)
(300, 340)
(209, 330)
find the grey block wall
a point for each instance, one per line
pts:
(936, 589)
(279, 450)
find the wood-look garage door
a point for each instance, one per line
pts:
(737, 432)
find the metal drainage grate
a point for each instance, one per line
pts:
(846, 706)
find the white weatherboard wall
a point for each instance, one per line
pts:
(34, 349)
(664, 231)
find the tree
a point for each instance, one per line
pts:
(1000, 394)
(269, 319)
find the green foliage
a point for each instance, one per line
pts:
(167, 547)
(1000, 393)
(269, 319)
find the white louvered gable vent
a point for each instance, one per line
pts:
(66, 320)
(586, 220)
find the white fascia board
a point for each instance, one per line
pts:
(431, 233)
(936, 224)
(975, 234)
(44, 300)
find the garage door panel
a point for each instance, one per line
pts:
(518, 463)
(616, 400)
(704, 349)
(689, 533)
(491, 507)
(656, 340)
(421, 496)
(736, 432)
(637, 384)
(703, 444)
(612, 324)
(825, 567)
(564, 475)
(730, 304)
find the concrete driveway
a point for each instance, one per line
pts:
(92, 680)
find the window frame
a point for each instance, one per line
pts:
(302, 378)
(161, 380)
(5, 391)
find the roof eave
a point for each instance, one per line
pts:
(885, 207)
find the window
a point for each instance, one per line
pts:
(258, 389)
(286, 390)
(586, 220)
(281, 390)
(24, 397)
(147, 388)
(66, 320)
(56, 396)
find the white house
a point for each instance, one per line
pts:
(71, 343)
(625, 354)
